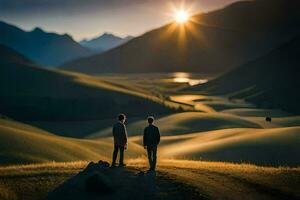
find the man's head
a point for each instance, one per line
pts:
(121, 118)
(150, 119)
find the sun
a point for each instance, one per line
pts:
(181, 16)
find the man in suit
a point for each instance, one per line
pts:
(151, 140)
(120, 140)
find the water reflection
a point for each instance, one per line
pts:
(182, 77)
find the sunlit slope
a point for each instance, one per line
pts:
(187, 122)
(29, 92)
(277, 146)
(21, 143)
(210, 104)
(255, 112)
(268, 81)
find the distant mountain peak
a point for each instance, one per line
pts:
(104, 42)
(108, 34)
(129, 37)
(38, 30)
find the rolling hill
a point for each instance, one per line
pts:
(104, 42)
(213, 42)
(267, 147)
(184, 123)
(269, 81)
(29, 92)
(49, 49)
(21, 143)
(272, 146)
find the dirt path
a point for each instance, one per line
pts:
(223, 186)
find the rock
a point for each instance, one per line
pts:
(93, 167)
(103, 163)
(98, 184)
(90, 167)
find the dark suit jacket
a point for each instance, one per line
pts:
(120, 134)
(151, 136)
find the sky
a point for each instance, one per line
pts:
(90, 18)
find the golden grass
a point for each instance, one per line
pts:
(191, 100)
(256, 112)
(277, 146)
(223, 180)
(38, 179)
(41, 168)
(209, 104)
(213, 166)
(7, 194)
(35, 181)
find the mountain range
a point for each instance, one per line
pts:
(270, 81)
(49, 49)
(104, 42)
(213, 42)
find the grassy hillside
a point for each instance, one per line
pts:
(210, 104)
(9, 55)
(256, 112)
(187, 122)
(217, 137)
(20, 143)
(269, 81)
(213, 42)
(30, 93)
(274, 147)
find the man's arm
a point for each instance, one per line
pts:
(144, 138)
(125, 134)
(113, 130)
(158, 135)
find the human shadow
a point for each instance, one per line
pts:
(98, 180)
(147, 183)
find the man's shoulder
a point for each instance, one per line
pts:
(118, 124)
(155, 127)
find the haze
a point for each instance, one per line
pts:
(86, 19)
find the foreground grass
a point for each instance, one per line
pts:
(35, 181)
(214, 179)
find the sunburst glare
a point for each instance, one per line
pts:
(181, 16)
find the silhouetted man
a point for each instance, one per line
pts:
(120, 140)
(151, 140)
